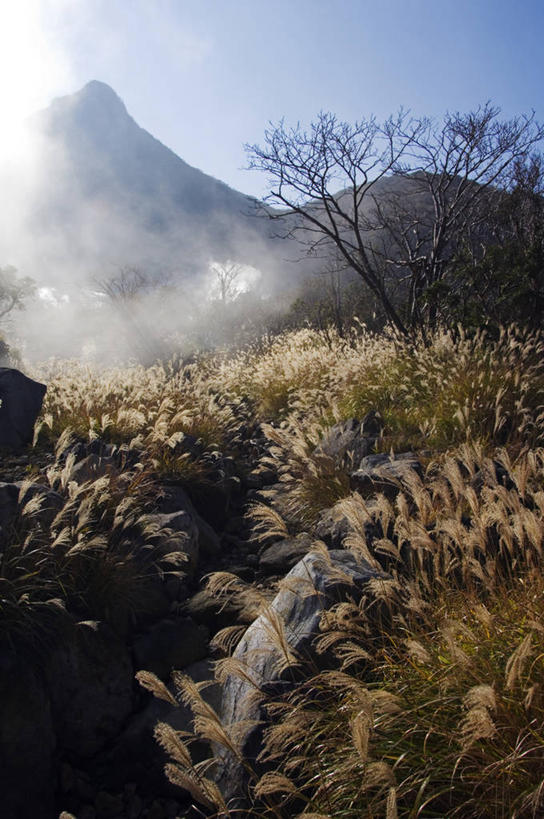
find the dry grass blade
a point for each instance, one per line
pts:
(151, 682)
(171, 742)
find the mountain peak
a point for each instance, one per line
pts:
(98, 95)
(97, 88)
(95, 103)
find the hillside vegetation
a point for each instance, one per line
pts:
(429, 698)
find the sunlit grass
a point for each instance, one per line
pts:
(433, 705)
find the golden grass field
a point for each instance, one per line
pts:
(435, 706)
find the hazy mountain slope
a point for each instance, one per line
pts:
(102, 194)
(109, 194)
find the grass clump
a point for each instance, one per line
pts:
(82, 551)
(456, 390)
(447, 721)
(430, 703)
(433, 705)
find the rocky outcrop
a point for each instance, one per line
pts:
(20, 404)
(90, 687)
(385, 473)
(283, 555)
(311, 587)
(349, 441)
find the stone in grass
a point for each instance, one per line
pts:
(20, 404)
(170, 644)
(180, 537)
(349, 441)
(385, 473)
(212, 611)
(135, 756)
(282, 556)
(314, 585)
(89, 679)
(174, 499)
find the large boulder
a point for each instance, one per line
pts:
(90, 682)
(135, 755)
(170, 644)
(20, 404)
(27, 742)
(314, 585)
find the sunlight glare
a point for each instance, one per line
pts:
(32, 67)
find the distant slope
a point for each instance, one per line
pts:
(109, 194)
(105, 194)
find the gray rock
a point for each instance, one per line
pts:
(332, 528)
(311, 587)
(175, 499)
(89, 681)
(92, 467)
(260, 477)
(21, 400)
(171, 644)
(211, 611)
(349, 441)
(178, 533)
(282, 556)
(27, 742)
(135, 754)
(384, 473)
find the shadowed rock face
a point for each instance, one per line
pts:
(21, 401)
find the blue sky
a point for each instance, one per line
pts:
(206, 76)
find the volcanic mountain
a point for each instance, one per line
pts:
(109, 195)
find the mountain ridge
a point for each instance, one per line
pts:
(110, 194)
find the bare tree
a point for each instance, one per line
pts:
(398, 234)
(125, 291)
(14, 290)
(125, 285)
(226, 276)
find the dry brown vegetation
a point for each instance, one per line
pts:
(433, 706)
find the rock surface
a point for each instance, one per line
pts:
(170, 644)
(175, 499)
(385, 473)
(90, 684)
(350, 441)
(312, 586)
(282, 556)
(21, 400)
(179, 535)
(135, 753)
